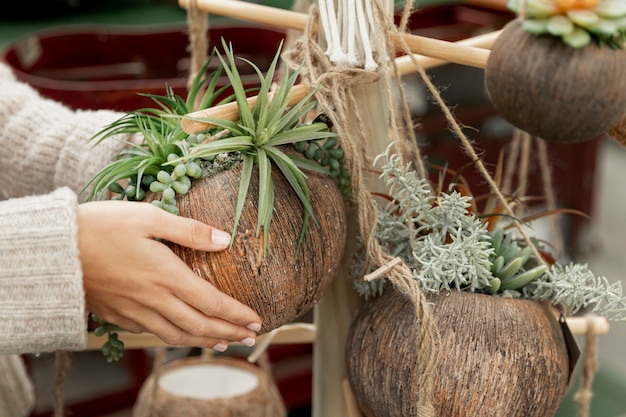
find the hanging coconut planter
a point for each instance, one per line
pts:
(552, 90)
(499, 357)
(273, 179)
(213, 387)
(285, 282)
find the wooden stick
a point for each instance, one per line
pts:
(578, 325)
(296, 333)
(267, 15)
(264, 15)
(230, 111)
(406, 65)
(382, 270)
(292, 333)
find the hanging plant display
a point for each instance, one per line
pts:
(559, 73)
(495, 303)
(247, 176)
(504, 357)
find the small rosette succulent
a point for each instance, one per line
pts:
(576, 22)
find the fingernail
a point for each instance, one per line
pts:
(248, 341)
(220, 238)
(255, 327)
(220, 347)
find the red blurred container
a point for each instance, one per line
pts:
(105, 66)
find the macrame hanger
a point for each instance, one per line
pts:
(349, 45)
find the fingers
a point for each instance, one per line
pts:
(188, 232)
(170, 334)
(211, 302)
(208, 335)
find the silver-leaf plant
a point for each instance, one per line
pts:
(447, 247)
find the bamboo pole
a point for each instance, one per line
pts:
(267, 15)
(192, 124)
(230, 111)
(296, 333)
(292, 333)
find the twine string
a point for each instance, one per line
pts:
(333, 86)
(197, 23)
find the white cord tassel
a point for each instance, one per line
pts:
(349, 30)
(331, 29)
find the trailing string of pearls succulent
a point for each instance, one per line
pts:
(576, 22)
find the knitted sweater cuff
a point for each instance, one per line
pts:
(43, 307)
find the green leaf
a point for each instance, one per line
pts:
(309, 165)
(266, 193)
(295, 177)
(244, 184)
(233, 144)
(230, 67)
(560, 25)
(301, 134)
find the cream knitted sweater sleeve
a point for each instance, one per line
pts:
(45, 160)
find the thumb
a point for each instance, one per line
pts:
(190, 233)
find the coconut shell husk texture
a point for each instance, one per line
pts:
(499, 357)
(553, 91)
(285, 282)
(262, 401)
(618, 132)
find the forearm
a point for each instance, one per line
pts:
(44, 145)
(43, 302)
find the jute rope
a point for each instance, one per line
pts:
(333, 93)
(197, 23)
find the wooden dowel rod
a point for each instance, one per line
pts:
(579, 324)
(296, 333)
(453, 52)
(267, 15)
(406, 65)
(256, 13)
(293, 333)
(229, 111)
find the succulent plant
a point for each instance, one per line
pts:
(577, 22)
(449, 248)
(267, 135)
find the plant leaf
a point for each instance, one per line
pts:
(244, 184)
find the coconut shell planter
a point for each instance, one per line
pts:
(494, 301)
(500, 357)
(273, 178)
(560, 73)
(284, 284)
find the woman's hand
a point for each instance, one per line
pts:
(138, 283)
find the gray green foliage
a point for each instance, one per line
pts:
(448, 248)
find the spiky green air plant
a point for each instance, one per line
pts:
(258, 135)
(169, 159)
(448, 248)
(577, 22)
